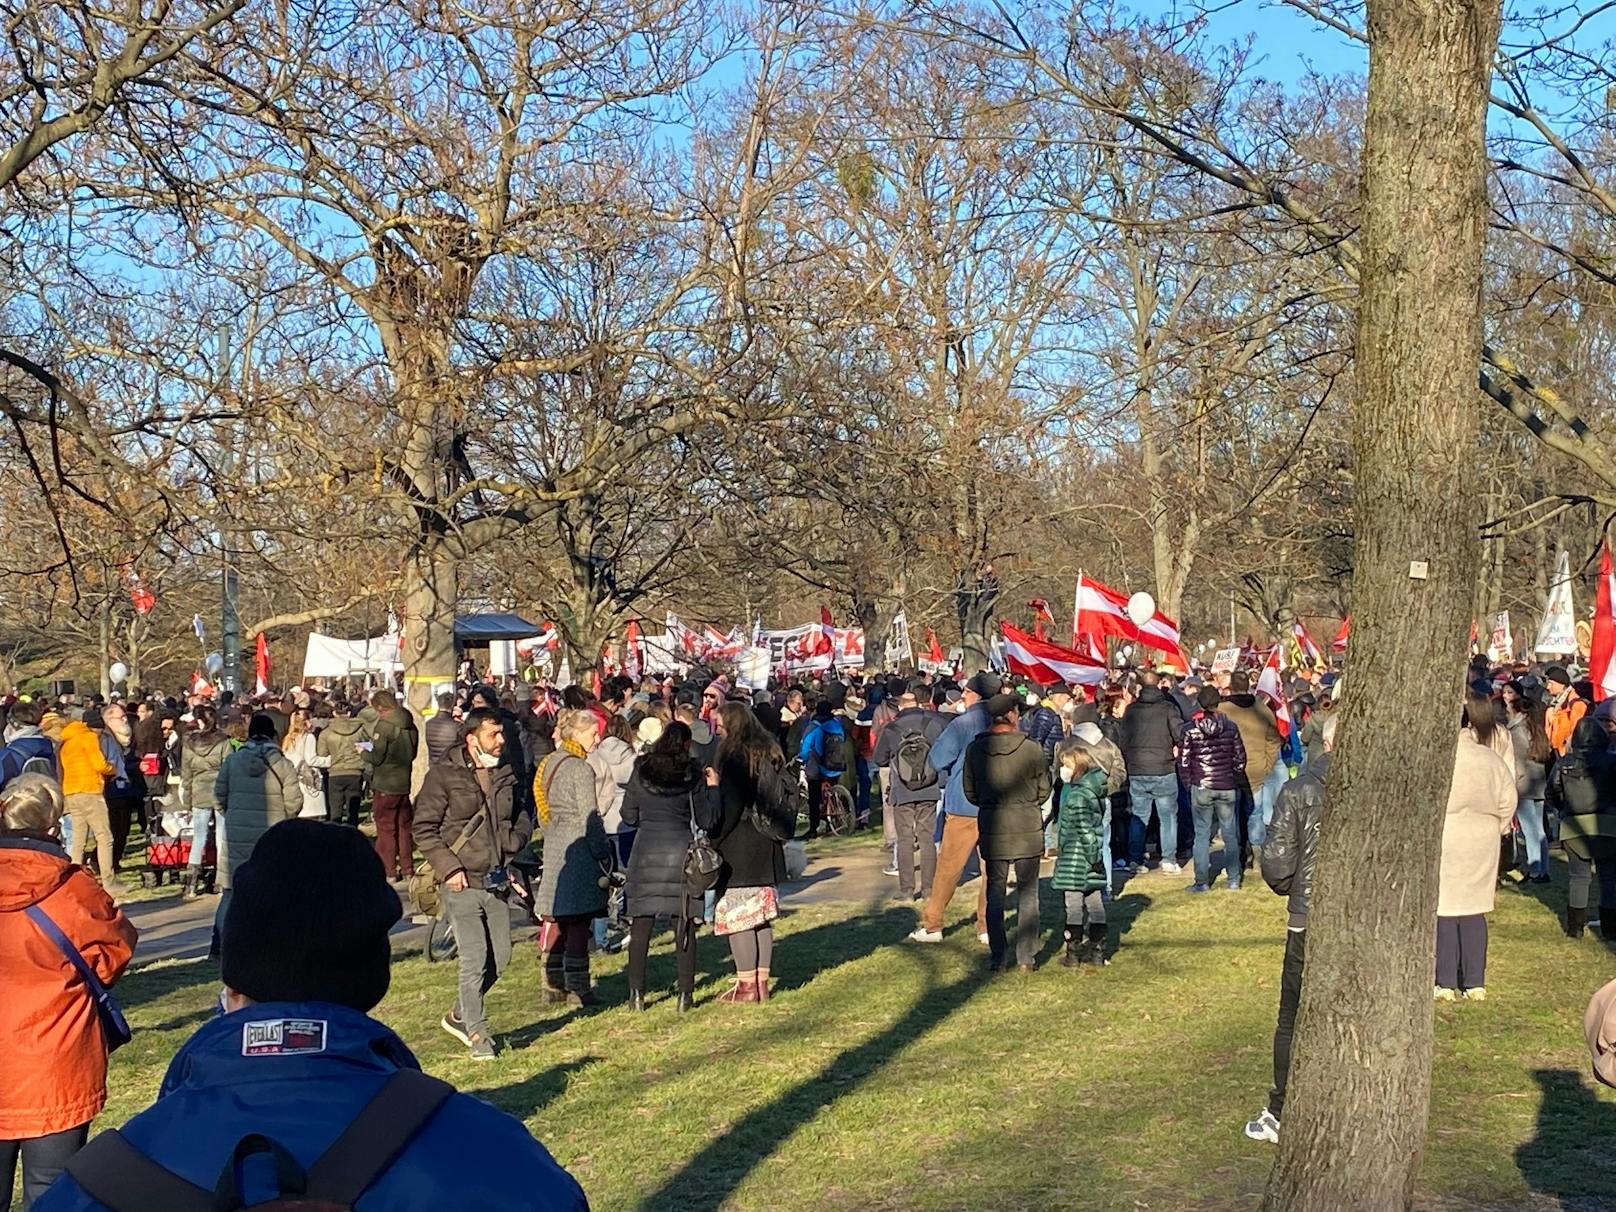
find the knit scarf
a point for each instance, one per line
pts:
(541, 786)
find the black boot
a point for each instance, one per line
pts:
(1097, 939)
(1576, 922)
(213, 945)
(1075, 948)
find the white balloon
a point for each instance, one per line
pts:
(1128, 652)
(1141, 608)
(215, 663)
(118, 672)
(1121, 658)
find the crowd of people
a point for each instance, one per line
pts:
(664, 800)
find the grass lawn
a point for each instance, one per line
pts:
(886, 1075)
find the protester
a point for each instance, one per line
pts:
(823, 756)
(53, 1053)
(910, 791)
(1081, 874)
(442, 731)
(1564, 707)
(205, 749)
(1006, 777)
(392, 760)
(467, 826)
(612, 762)
(341, 745)
(27, 748)
(754, 865)
(1582, 789)
(1533, 755)
(1480, 805)
(665, 802)
(1149, 744)
(295, 1062)
(1287, 867)
(577, 858)
(1211, 763)
(959, 840)
(300, 747)
(1264, 772)
(256, 788)
(85, 771)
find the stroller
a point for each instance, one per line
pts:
(168, 852)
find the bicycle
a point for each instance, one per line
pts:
(836, 807)
(440, 940)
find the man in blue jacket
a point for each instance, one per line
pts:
(26, 744)
(947, 758)
(295, 1089)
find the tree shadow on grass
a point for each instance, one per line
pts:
(1572, 1156)
(526, 1098)
(141, 986)
(713, 1174)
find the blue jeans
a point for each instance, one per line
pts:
(1203, 803)
(201, 824)
(865, 778)
(1529, 814)
(1267, 793)
(1145, 792)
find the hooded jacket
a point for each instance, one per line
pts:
(204, 755)
(336, 742)
(662, 801)
(24, 748)
(1258, 732)
(1583, 790)
(394, 755)
(256, 788)
(1211, 754)
(85, 768)
(1150, 729)
(1006, 777)
(467, 1155)
(1293, 838)
(53, 1059)
(1079, 864)
(613, 762)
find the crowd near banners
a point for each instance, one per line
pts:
(329, 657)
(752, 668)
(1500, 644)
(1558, 634)
(1225, 660)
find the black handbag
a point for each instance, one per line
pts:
(702, 860)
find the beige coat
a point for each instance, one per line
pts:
(1479, 810)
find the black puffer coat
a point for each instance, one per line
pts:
(661, 802)
(750, 859)
(1211, 753)
(1583, 791)
(1150, 730)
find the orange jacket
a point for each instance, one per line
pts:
(53, 1060)
(85, 768)
(1561, 718)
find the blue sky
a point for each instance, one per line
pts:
(1288, 43)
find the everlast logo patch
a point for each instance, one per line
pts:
(283, 1037)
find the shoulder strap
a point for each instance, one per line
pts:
(377, 1136)
(65, 945)
(120, 1177)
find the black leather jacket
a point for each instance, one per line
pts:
(1293, 837)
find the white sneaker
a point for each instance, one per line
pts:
(1264, 1128)
(1478, 994)
(889, 871)
(921, 935)
(1446, 995)
(1170, 868)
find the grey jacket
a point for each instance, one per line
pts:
(200, 760)
(256, 788)
(1293, 838)
(908, 722)
(576, 852)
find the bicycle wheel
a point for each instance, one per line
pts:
(838, 810)
(440, 940)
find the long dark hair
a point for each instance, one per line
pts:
(1537, 745)
(1481, 717)
(745, 740)
(668, 761)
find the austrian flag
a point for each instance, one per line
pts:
(1044, 662)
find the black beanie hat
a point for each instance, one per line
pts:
(1557, 673)
(309, 916)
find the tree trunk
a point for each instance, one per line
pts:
(103, 659)
(1354, 1124)
(430, 591)
(975, 594)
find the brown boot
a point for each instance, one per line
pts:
(745, 989)
(762, 984)
(575, 972)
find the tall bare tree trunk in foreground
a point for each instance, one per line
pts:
(1354, 1123)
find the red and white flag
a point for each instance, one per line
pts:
(633, 661)
(1602, 647)
(1307, 646)
(1098, 610)
(1272, 688)
(934, 650)
(1045, 662)
(825, 641)
(1339, 644)
(261, 665)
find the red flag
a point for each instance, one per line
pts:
(1045, 662)
(139, 593)
(1040, 615)
(934, 649)
(1098, 610)
(1602, 648)
(825, 640)
(1272, 688)
(261, 665)
(1340, 641)
(632, 659)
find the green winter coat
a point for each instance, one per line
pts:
(1080, 867)
(394, 755)
(336, 742)
(256, 789)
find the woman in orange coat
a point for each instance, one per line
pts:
(53, 1058)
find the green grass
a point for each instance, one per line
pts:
(885, 1075)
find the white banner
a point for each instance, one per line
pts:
(1558, 634)
(752, 668)
(1501, 645)
(1225, 660)
(899, 647)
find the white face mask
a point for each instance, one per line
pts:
(1067, 774)
(485, 759)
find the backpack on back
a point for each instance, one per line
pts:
(116, 1174)
(780, 801)
(830, 748)
(39, 764)
(911, 762)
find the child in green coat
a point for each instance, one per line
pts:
(1080, 863)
